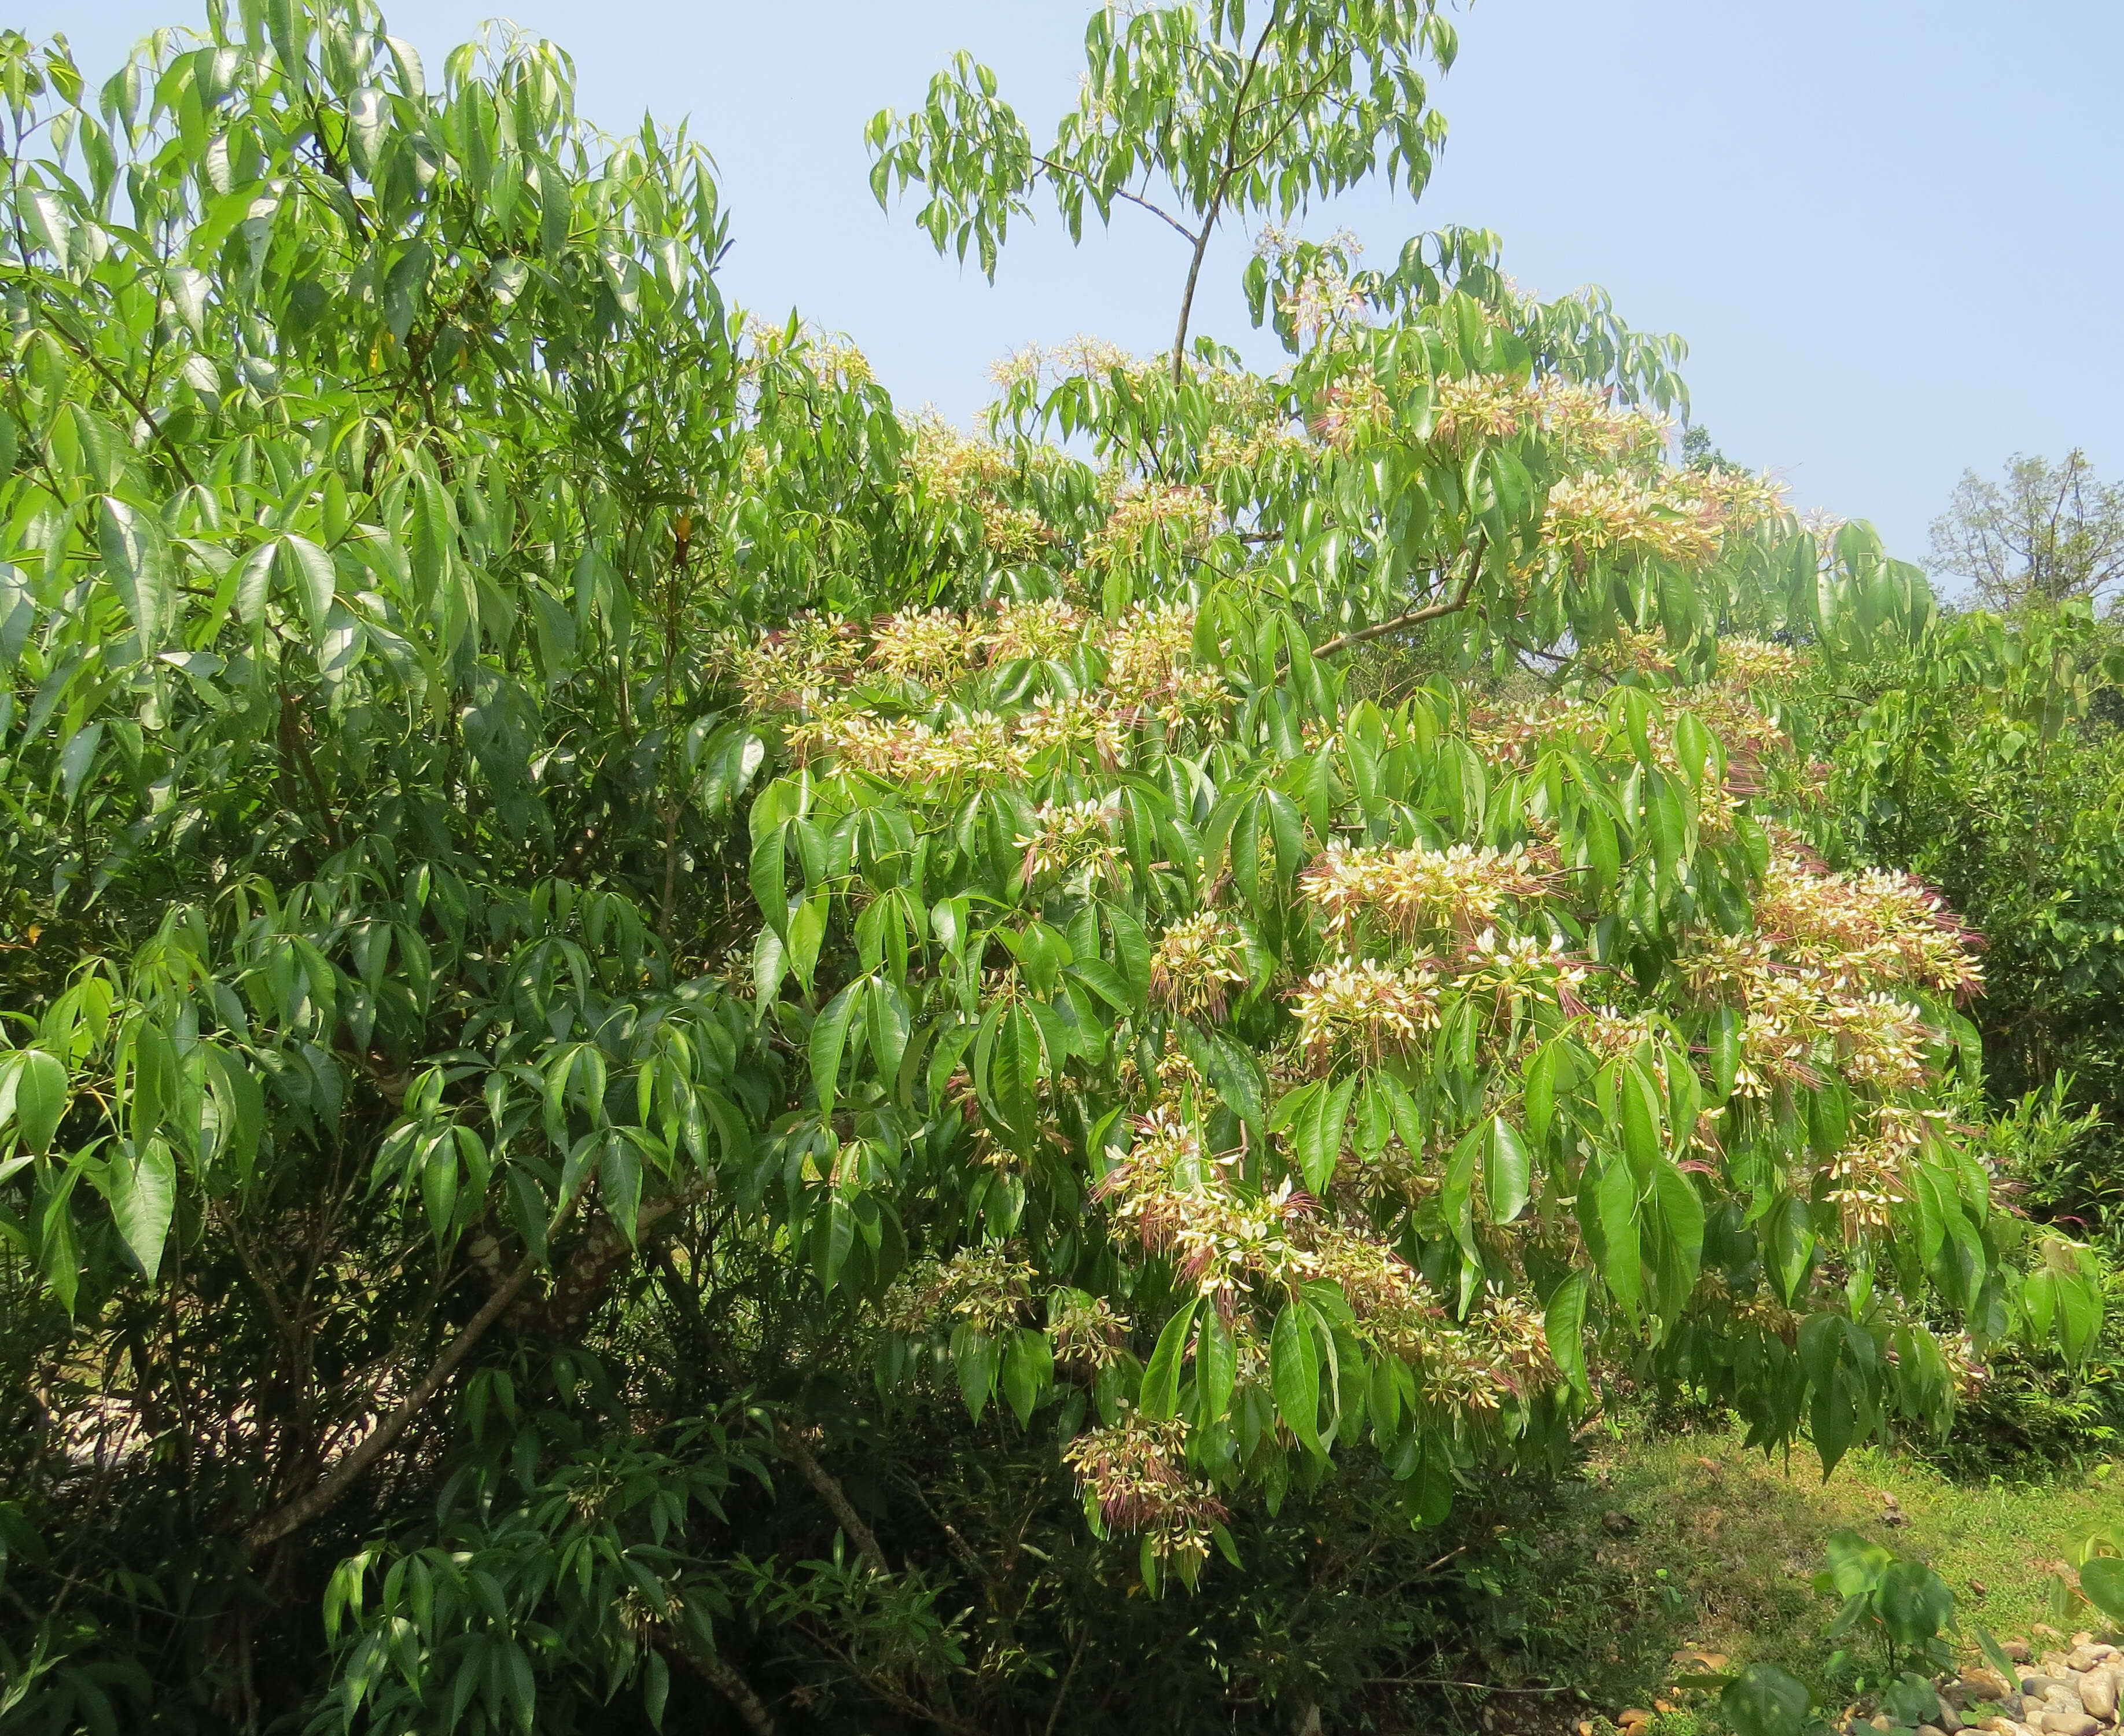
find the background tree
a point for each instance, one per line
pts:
(2052, 533)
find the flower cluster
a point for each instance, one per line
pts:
(1585, 421)
(1086, 1329)
(1395, 1307)
(1480, 407)
(791, 668)
(1874, 929)
(1509, 970)
(931, 646)
(949, 468)
(1326, 299)
(1197, 961)
(1014, 533)
(1880, 1041)
(1516, 738)
(1608, 1034)
(1149, 662)
(1756, 662)
(1354, 409)
(1135, 1473)
(981, 746)
(1740, 499)
(1070, 835)
(1593, 514)
(1352, 1006)
(1409, 890)
(1048, 627)
(1168, 516)
(985, 1285)
(1181, 1202)
(1502, 1352)
(1267, 444)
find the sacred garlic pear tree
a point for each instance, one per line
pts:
(577, 887)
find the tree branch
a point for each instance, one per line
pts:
(292, 1516)
(575, 1290)
(1159, 212)
(1415, 617)
(716, 1670)
(579, 1285)
(1216, 203)
(835, 1496)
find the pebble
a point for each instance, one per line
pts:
(1984, 1684)
(2097, 1693)
(2061, 1722)
(2016, 1649)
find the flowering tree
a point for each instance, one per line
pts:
(1234, 1068)
(1293, 937)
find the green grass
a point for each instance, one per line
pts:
(1716, 1548)
(1744, 1534)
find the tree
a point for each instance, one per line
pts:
(594, 917)
(1217, 114)
(2054, 532)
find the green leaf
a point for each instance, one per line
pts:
(1161, 1376)
(1765, 1700)
(1540, 1094)
(829, 1036)
(1995, 1653)
(1216, 1368)
(33, 1091)
(1318, 1132)
(1563, 1326)
(1622, 1265)
(1294, 1374)
(1914, 1602)
(619, 1181)
(2102, 1577)
(1507, 1172)
(313, 579)
(138, 559)
(807, 934)
(1028, 1371)
(1638, 1102)
(142, 1188)
(655, 1688)
(1725, 1046)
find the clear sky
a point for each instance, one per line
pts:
(1889, 229)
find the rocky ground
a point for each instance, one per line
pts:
(2072, 1690)
(2066, 1692)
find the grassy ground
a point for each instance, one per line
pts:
(1710, 1549)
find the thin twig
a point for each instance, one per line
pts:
(1134, 198)
(1062, 1692)
(1437, 1681)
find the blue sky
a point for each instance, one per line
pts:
(1889, 230)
